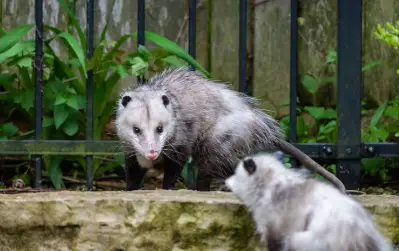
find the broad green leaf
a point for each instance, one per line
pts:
(25, 62)
(15, 50)
(370, 65)
(47, 121)
(25, 99)
(310, 83)
(320, 112)
(392, 111)
(55, 171)
(73, 44)
(9, 129)
(378, 114)
(73, 102)
(61, 113)
(139, 66)
(70, 127)
(7, 79)
(13, 36)
(60, 99)
(81, 102)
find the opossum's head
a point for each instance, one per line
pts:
(145, 122)
(251, 174)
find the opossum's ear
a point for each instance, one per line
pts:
(126, 100)
(250, 166)
(165, 100)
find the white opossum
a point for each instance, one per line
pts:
(178, 113)
(294, 212)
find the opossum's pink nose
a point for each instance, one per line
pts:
(152, 155)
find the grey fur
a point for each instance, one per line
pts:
(294, 212)
(210, 121)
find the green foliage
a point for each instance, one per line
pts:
(390, 35)
(319, 124)
(64, 82)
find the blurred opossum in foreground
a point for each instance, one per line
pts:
(294, 212)
(178, 113)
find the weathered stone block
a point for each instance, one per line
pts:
(144, 220)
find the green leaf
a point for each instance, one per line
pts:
(61, 113)
(25, 99)
(81, 101)
(18, 48)
(73, 44)
(316, 112)
(378, 114)
(122, 71)
(370, 65)
(25, 62)
(310, 84)
(75, 23)
(397, 134)
(73, 102)
(173, 60)
(60, 99)
(331, 57)
(70, 127)
(55, 171)
(175, 49)
(9, 129)
(139, 66)
(12, 37)
(47, 121)
(285, 102)
(144, 52)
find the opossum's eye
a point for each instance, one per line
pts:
(165, 100)
(159, 129)
(136, 130)
(126, 100)
(250, 166)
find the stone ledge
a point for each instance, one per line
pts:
(144, 220)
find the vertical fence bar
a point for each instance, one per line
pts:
(242, 57)
(293, 73)
(349, 89)
(192, 39)
(89, 90)
(192, 29)
(38, 88)
(140, 22)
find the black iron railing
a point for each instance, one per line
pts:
(347, 153)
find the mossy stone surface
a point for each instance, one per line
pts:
(145, 220)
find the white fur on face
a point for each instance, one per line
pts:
(147, 117)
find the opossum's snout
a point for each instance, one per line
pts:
(152, 155)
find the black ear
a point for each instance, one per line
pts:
(126, 100)
(250, 166)
(165, 100)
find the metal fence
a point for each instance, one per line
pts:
(347, 153)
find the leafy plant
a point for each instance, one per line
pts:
(390, 35)
(325, 123)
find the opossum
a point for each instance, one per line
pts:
(179, 112)
(294, 212)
